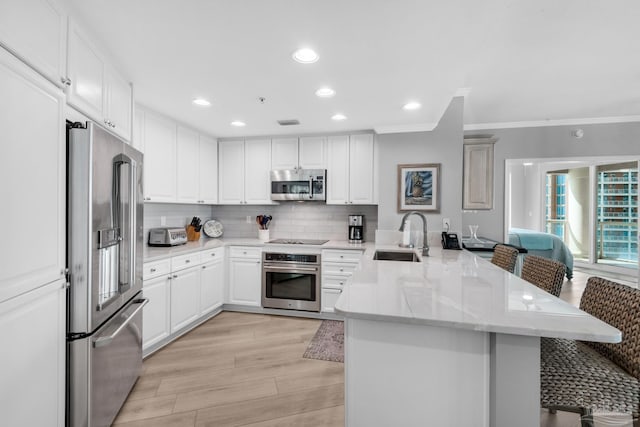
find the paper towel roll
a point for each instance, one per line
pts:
(406, 233)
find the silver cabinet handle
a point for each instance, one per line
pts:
(103, 341)
(65, 81)
(153, 270)
(204, 266)
(175, 276)
(187, 261)
(213, 254)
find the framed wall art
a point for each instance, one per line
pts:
(418, 186)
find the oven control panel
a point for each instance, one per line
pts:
(292, 258)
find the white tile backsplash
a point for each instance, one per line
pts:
(290, 219)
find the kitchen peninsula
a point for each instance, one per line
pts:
(452, 340)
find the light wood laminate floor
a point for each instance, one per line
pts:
(242, 369)
(238, 370)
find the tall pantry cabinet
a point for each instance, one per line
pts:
(32, 291)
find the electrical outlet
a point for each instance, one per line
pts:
(446, 224)
(248, 219)
(163, 220)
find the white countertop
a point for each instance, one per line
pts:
(154, 253)
(460, 290)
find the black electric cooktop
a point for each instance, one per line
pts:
(298, 241)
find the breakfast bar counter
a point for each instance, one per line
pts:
(452, 340)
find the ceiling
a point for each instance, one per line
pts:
(519, 63)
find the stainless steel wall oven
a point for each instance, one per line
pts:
(291, 281)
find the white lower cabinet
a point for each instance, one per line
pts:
(185, 297)
(32, 333)
(155, 318)
(245, 272)
(212, 285)
(337, 267)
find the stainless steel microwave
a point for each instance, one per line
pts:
(299, 184)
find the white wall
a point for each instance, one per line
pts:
(442, 145)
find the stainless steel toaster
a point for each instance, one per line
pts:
(167, 236)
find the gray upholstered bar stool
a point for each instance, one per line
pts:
(505, 257)
(583, 377)
(545, 273)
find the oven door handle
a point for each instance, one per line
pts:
(288, 268)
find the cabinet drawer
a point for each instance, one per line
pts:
(156, 268)
(212, 254)
(344, 269)
(334, 282)
(184, 261)
(341, 256)
(245, 252)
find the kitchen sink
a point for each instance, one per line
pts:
(396, 256)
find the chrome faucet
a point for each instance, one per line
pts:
(425, 240)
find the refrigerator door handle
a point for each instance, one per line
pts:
(118, 219)
(106, 340)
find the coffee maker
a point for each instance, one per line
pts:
(356, 228)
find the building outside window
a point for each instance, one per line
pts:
(556, 206)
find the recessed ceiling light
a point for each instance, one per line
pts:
(238, 123)
(305, 56)
(201, 102)
(412, 106)
(339, 117)
(325, 92)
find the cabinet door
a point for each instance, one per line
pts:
(244, 282)
(361, 169)
(185, 297)
(477, 182)
(312, 153)
(32, 332)
(159, 159)
(86, 71)
(337, 170)
(211, 286)
(156, 314)
(284, 153)
(208, 165)
(138, 130)
(188, 176)
(33, 179)
(118, 104)
(329, 298)
(36, 31)
(231, 172)
(257, 169)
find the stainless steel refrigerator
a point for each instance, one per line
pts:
(104, 258)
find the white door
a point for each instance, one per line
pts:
(33, 179)
(337, 170)
(244, 281)
(211, 286)
(159, 159)
(231, 172)
(187, 162)
(156, 314)
(257, 181)
(284, 153)
(312, 154)
(86, 70)
(32, 332)
(185, 297)
(37, 32)
(361, 169)
(208, 167)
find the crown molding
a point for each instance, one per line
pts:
(546, 123)
(419, 127)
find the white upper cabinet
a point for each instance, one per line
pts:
(35, 30)
(96, 89)
(293, 153)
(312, 152)
(33, 178)
(138, 130)
(284, 153)
(350, 169)
(188, 176)
(361, 169)
(244, 168)
(208, 166)
(159, 159)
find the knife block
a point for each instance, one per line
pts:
(192, 234)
